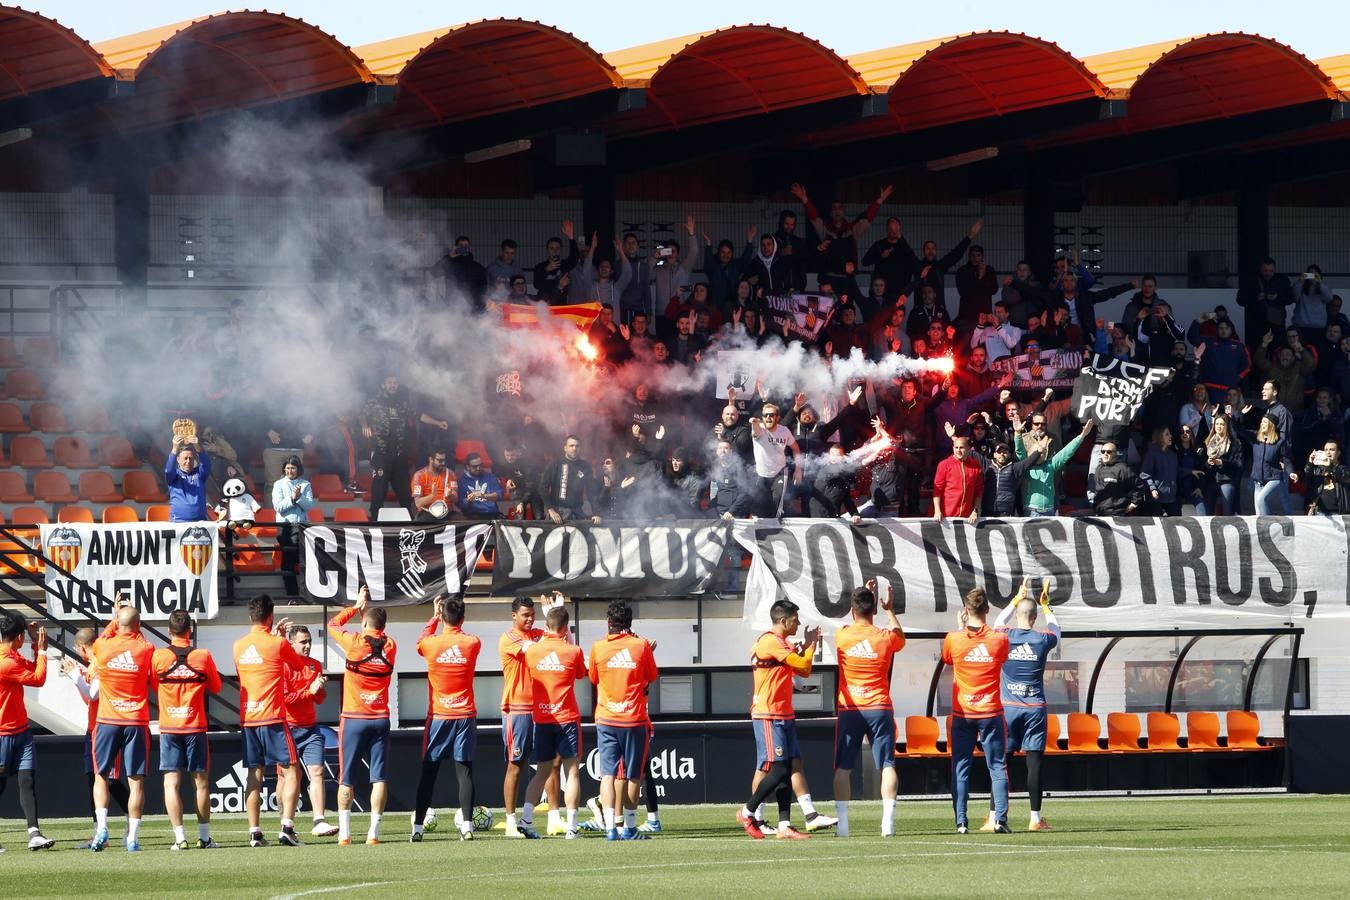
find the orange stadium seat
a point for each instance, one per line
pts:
(40, 352)
(48, 418)
(351, 514)
(142, 487)
(1085, 729)
(9, 357)
(28, 451)
(1122, 731)
(157, 513)
(1244, 730)
(328, 489)
(119, 514)
(98, 487)
(24, 384)
(29, 515)
(1052, 733)
(75, 514)
(265, 517)
(115, 452)
(11, 419)
(315, 515)
(53, 487)
(921, 736)
(91, 419)
(14, 488)
(1163, 730)
(256, 559)
(1202, 731)
(486, 560)
(73, 453)
(15, 559)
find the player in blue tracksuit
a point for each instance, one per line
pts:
(1023, 688)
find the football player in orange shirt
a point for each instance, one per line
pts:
(774, 661)
(363, 727)
(87, 687)
(17, 753)
(261, 659)
(122, 664)
(976, 654)
(452, 716)
(186, 674)
(863, 702)
(517, 721)
(554, 665)
(304, 690)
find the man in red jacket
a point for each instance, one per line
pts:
(958, 484)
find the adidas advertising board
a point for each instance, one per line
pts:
(1119, 574)
(583, 560)
(161, 566)
(403, 563)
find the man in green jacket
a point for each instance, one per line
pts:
(1038, 484)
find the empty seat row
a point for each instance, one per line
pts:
(1084, 733)
(138, 486)
(52, 418)
(69, 452)
(37, 352)
(159, 512)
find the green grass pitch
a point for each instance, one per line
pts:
(1248, 846)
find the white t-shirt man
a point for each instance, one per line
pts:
(770, 448)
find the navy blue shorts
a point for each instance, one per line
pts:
(121, 751)
(623, 750)
(879, 724)
(454, 738)
(268, 745)
(554, 739)
(89, 753)
(184, 753)
(16, 753)
(362, 739)
(517, 737)
(775, 741)
(1026, 727)
(309, 744)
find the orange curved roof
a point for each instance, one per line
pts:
(740, 71)
(486, 67)
(237, 60)
(1218, 76)
(990, 73)
(38, 54)
(1338, 70)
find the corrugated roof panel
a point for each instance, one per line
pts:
(38, 54)
(1119, 68)
(1338, 70)
(880, 68)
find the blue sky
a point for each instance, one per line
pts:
(848, 26)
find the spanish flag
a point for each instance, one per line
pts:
(527, 315)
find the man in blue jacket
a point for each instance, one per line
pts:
(187, 472)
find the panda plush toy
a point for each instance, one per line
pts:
(238, 510)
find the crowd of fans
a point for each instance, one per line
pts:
(1236, 424)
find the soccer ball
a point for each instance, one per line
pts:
(482, 818)
(430, 823)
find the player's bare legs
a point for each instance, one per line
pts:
(253, 798)
(173, 803)
(317, 798)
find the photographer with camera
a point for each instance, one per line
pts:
(1328, 490)
(1310, 305)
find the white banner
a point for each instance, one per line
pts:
(1118, 574)
(160, 566)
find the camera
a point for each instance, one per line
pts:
(1309, 276)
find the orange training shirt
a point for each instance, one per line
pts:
(452, 657)
(622, 666)
(124, 665)
(865, 655)
(515, 678)
(976, 657)
(774, 662)
(365, 686)
(16, 673)
(182, 692)
(299, 701)
(261, 660)
(555, 666)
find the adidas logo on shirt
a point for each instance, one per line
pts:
(979, 654)
(451, 654)
(250, 657)
(124, 662)
(550, 663)
(621, 660)
(861, 650)
(1023, 652)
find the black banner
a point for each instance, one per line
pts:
(1111, 390)
(403, 563)
(583, 560)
